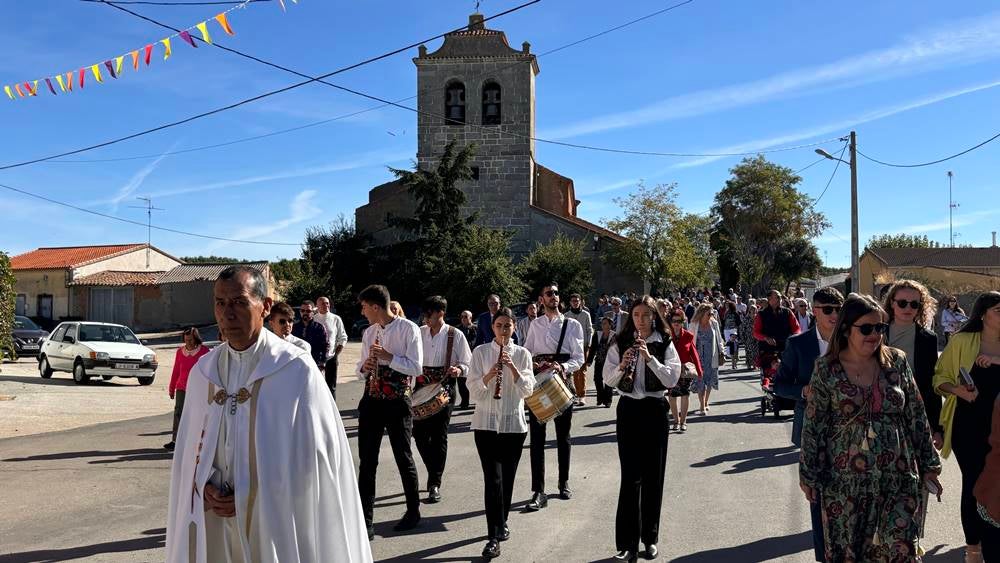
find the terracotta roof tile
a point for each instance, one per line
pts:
(118, 279)
(67, 257)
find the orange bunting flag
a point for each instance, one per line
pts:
(69, 81)
(221, 18)
(118, 64)
(18, 88)
(135, 59)
(203, 28)
(166, 48)
(97, 73)
(9, 93)
(62, 85)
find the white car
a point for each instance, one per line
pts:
(88, 349)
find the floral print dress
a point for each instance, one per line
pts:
(866, 450)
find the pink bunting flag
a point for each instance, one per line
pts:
(187, 37)
(111, 69)
(31, 91)
(51, 88)
(82, 74)
(224, 23)
(149, 53)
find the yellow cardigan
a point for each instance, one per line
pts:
(961, 351)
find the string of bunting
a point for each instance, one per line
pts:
(115, 66)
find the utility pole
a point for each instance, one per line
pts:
(149, 222)
(951, 211)
(855, 258)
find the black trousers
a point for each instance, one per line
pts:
(463, 390)
(178, 410)
(499, 454)
(603, 391)
(642, 452)
(431, 437)
(564, 423)
(331, 375)
(375, 418)
(991, 543)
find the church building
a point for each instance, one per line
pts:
(477, 89)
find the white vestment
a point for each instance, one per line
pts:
(288, 461)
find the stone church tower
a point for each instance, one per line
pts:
(477, 89)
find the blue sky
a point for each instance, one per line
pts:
(916, 82)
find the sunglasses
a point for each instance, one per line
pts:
(676, 321)
(284, 321)
(867, 328)
(902, 303)
(551, 293)
(827, 309)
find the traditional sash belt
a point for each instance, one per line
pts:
(388, 384)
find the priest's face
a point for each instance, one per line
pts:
(239, 312)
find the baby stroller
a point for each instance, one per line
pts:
(771, 401)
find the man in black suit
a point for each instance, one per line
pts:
(796, 369)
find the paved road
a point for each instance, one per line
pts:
(98, 493)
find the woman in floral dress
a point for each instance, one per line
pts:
(746, 336)
(866, 442)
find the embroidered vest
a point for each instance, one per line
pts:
(432, 374)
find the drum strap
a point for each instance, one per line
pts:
(562, 336)
(451, 346)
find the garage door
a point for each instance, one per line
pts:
(111, 305)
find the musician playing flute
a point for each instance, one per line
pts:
(446, 358)
(642, 373)
(391, 358)
(500, 377)
(556, 345)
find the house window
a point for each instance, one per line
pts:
(491, 103)
(454, 103)
(475, 173)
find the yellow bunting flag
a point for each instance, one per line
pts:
(118, 64)
(62, 85)
(9, 93)
(97, 73)
(135, 59)
(221, 18)
(34, 89)
(166, 48)
(203, 28)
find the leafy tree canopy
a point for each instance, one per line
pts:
(561, 261)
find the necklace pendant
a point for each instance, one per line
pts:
(864, 445)
(871, 432)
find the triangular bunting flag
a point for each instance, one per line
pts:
(18, 88)
(62, 85)
(166, 48)
(97, 73)
(82, 74)
(135, 59)
(111, 69)
(118, 64)
(9, 93)
(51, 88)
(187, 37)
(32, 91)
(148, 53)
(69, 81)
(224, 22)
(203, 28)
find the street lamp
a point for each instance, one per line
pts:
(853, 163)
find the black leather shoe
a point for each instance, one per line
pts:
(629, 556)
(505, 533)
(564, 492)
(169, 446)
(651, 551)
(410, 520)
(434, 495)
(538, 502)
(492, 549)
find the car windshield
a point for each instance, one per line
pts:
(24, 323)
(106, 333)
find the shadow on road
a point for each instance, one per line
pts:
(753, 459)
(155, 539)
(761, 550)
(749, 417)
(144, 454)
(56, 380)
(164, 433)
(939, 554)
(429, 553)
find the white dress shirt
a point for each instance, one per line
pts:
(401, 338)
(292, 339)
(335, 333)
(543, 338)
(436, 349)
(823, 344)
(505, 415)
(668, 372)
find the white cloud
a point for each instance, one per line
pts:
(955, 43)
(135, 182)
(302, 208)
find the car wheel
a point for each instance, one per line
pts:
(44, 369)
(145, 381)
(80, 374)
(106, 377)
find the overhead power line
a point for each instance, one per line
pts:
(147, 225)
(830, 181)
(257, 97)
(938, 161)
(152, 3)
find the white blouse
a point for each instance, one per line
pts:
(505, 415)
(668, 372)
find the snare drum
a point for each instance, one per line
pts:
(428, 401)
(549, 399)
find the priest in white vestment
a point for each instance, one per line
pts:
(262, 470)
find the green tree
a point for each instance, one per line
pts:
(901, 240)
(481, 265)
(758, 212)
(215, 260)
(797, 259)
(8, 298)
(561, 261)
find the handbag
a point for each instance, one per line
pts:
(688, 370)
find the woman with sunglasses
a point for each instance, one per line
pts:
(968, 408)
(184, 359)
(952, 317)
(642, 363)
(911, 316)
(683, 341)
(866, 443)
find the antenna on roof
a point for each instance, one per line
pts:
(149, 222)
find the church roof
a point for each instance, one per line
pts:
(477, 42)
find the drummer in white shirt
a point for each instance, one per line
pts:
(498, 421)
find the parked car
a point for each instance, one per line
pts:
(88, 349)
(28, 336)
(358, 328)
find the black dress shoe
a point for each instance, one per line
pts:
(492, 549)
(434, 495)
(505, 533)
(169, 446)
(564, 492)
(408, 522)
(651, 551)
(538, 502)
(629, 556)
